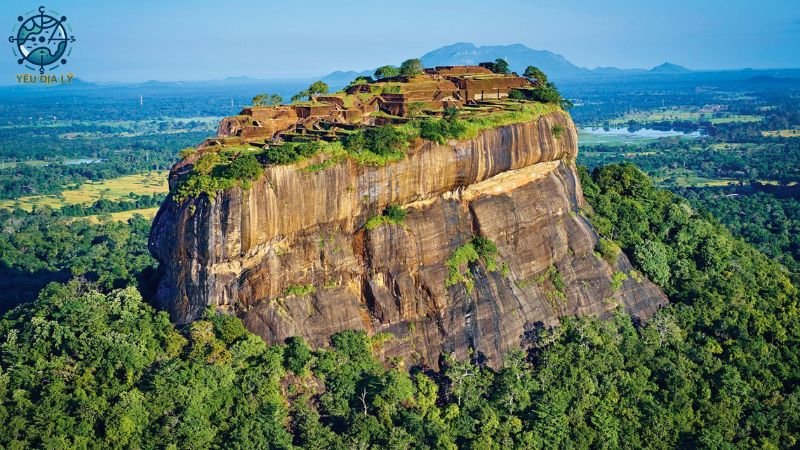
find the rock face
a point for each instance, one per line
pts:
(248, 252)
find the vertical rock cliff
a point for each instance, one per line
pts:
(291, 255)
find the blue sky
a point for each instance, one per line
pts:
(203, 39)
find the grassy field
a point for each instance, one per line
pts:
(123, 216)
(782, 133)
(113, 189)
(662, 115)
(8, 164)
(687, 178)
(733, 146)
(693, 181)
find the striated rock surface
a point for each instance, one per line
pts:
(516, 185)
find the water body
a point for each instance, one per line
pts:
(70, 162)
(599, 135)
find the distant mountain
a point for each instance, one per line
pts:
(669, 68)
(617, 72)
(518, 57)
(342, 78)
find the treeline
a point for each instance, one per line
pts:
(105, 206)
(718, 368)
(599, 102)
(52, 147)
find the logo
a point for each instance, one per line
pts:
(42, 40)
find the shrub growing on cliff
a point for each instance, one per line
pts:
(206, 163)
(479, 248)
(516, 94)
(197, 183)
(245, 168)
(557, 290)
(458, 263)
(434, 130)
(376, 145)
(440, 130)
(212, 173)
(383, 141)
(187, 152)
(392, 215)
(395, 213)
(299, 290)
(292, 151)
(608, 250)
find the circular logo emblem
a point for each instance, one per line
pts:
(42, 40)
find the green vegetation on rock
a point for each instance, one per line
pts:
(608, 250)
(556, 280)
(392, 215)
(299, 290)
(477, 249)
(218, 170)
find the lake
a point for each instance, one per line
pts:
(599, 135)
(83, 161)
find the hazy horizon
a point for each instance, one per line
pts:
(193, 41)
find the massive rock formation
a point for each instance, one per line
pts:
(248, 252)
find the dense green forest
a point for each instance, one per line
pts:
(83, 367)
(770, 159)
(44, 246)
(762, 215)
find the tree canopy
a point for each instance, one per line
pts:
(316, 88)
(386, 72)
(411, 67)
(267, 100)
(535, 74)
